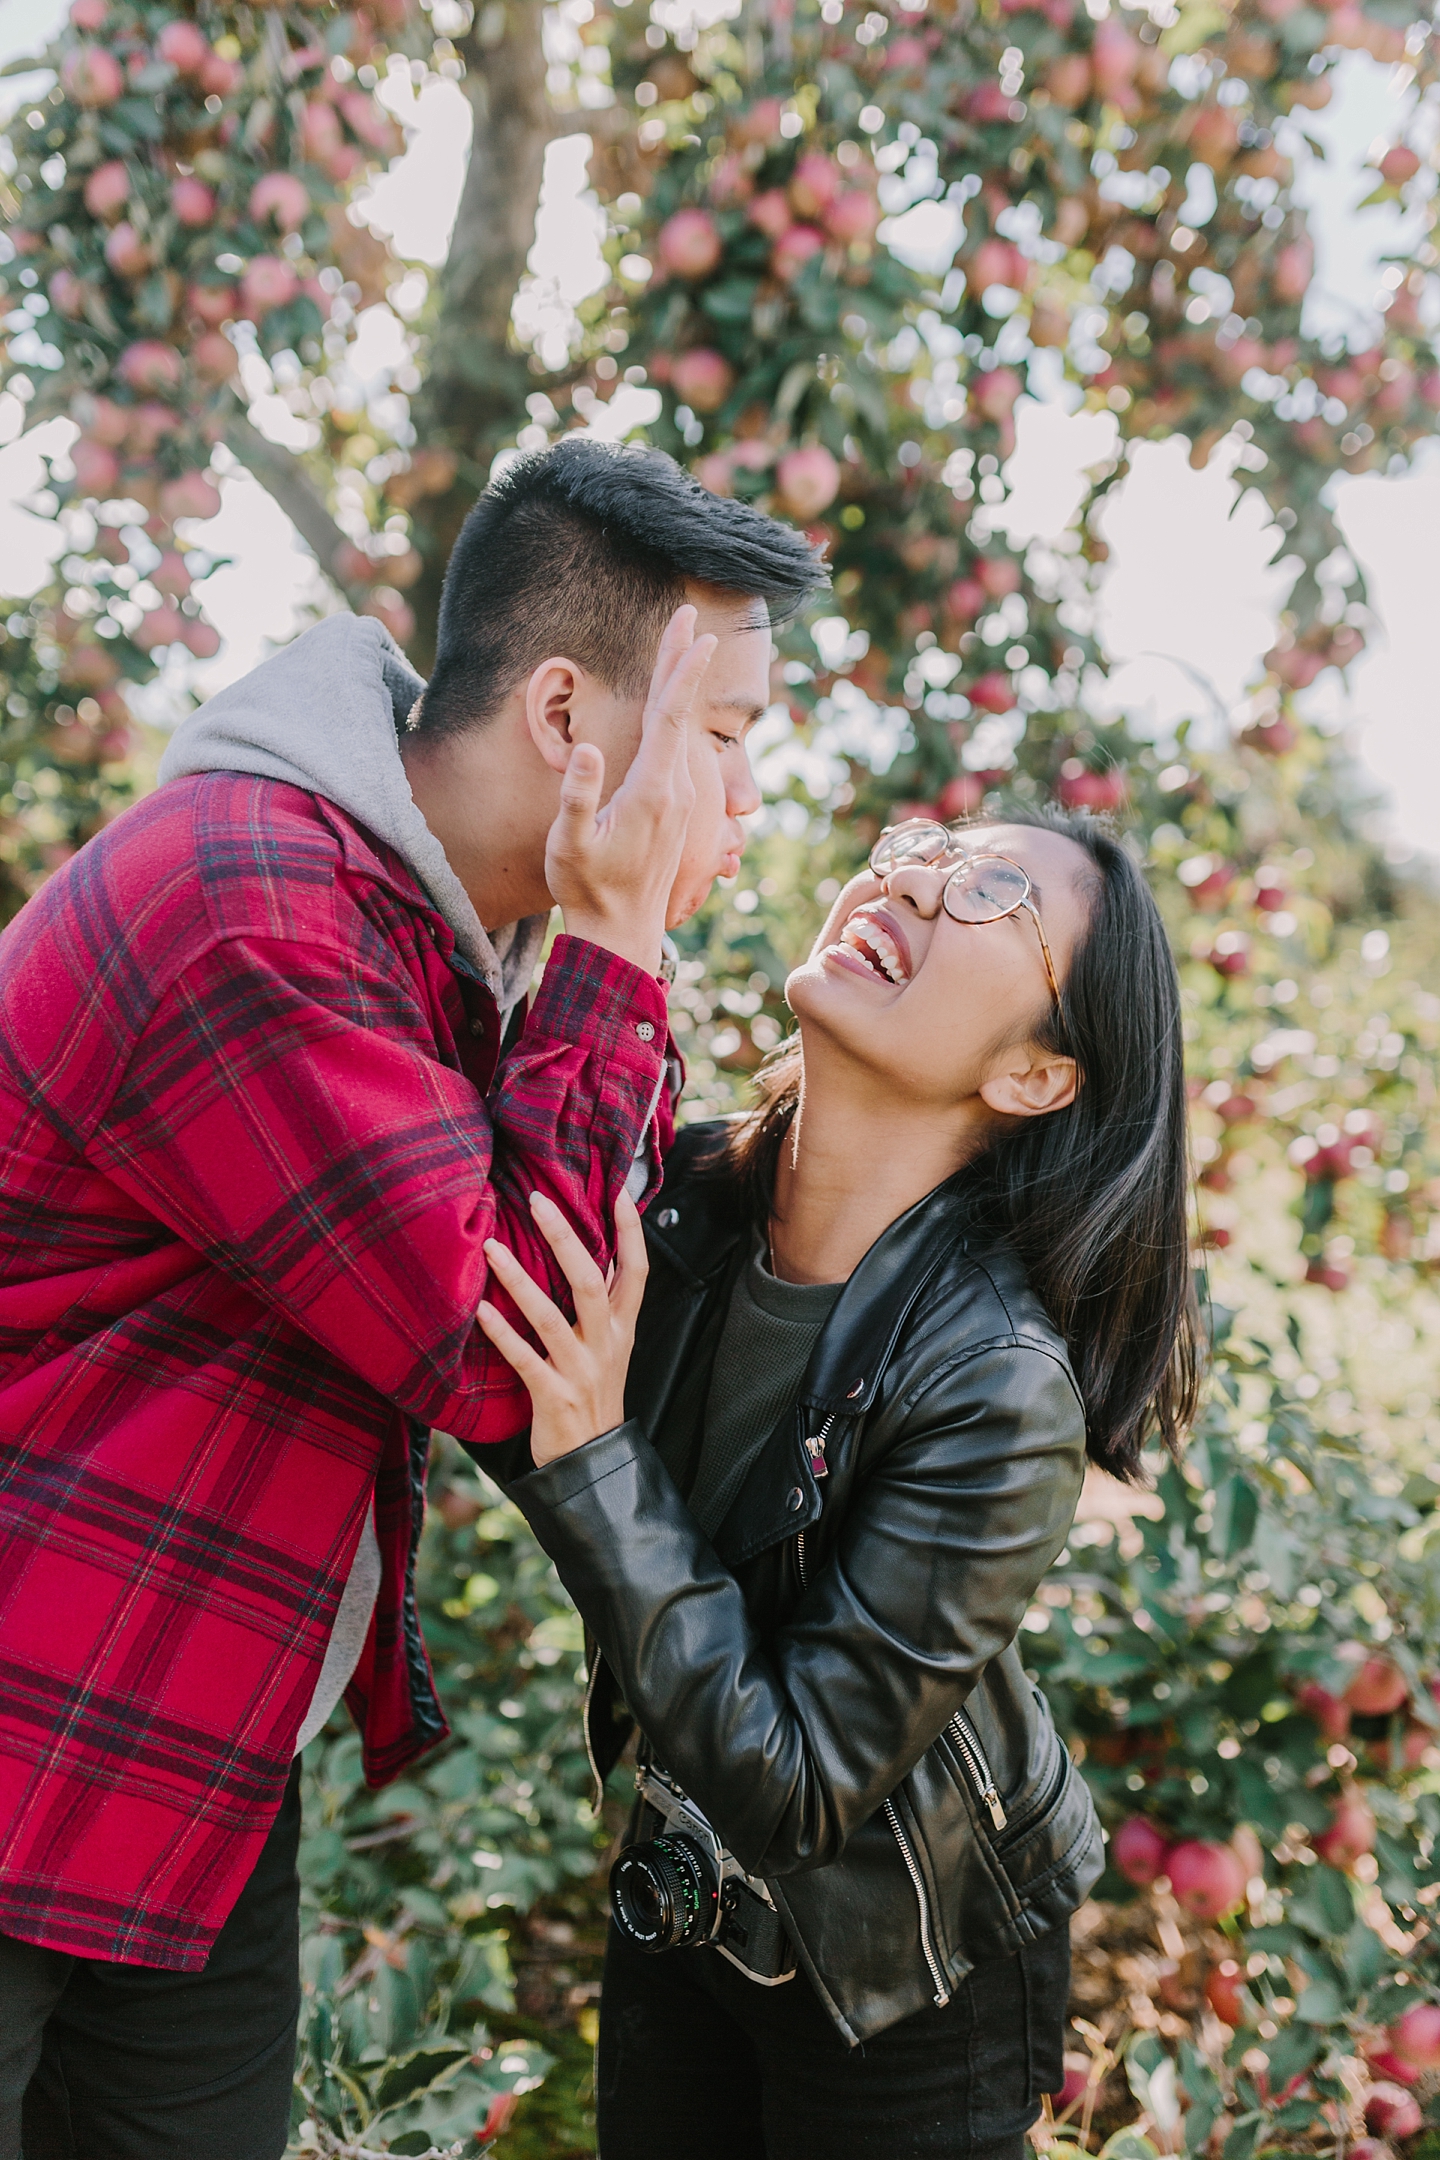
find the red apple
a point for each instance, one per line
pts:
(1292, 271)
(1138, 1850)
(96, 469)
(960, 797)
(211, 304)
(1329, 1712)
(192, 202)
(1207, 1880)
(1399, 164)
(92, 76)
(793, 250)
(965, 599)
(994, 394)
(89, 14)
(852, 216)
(162, 626)
(1114, 57)
(702, 378)
(814, 184)
(689, 244)
(193, 495)
(388, 607)
(281, 198)
(213, 357)
(170, 576)
(1351, 1833)
(770, 212)
(125, 251)
(1391, 2112)
(185, 47)
(1225, 1993)
(1378, 1689)
(998, 574)
(996, 262)
(108, 189)
(148, 423)
(201, 638)
(319, 131)
(67, 294)
(1415, 2036)
(807, 481)
(149, 365)
(1077, 2077)
(268, 283)
(221, 78)
(993, 692)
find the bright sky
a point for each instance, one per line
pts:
(1188, 601)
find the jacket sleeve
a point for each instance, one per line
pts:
(284, 1113)
(789, 1742)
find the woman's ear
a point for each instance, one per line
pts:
(1032, 1086)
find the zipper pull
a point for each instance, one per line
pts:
(815, 1450)
(991, 1799)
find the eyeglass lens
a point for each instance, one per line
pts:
(985, 889)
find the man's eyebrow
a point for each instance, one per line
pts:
(738, 702)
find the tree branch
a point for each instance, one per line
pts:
(285, 479)
(475, 384)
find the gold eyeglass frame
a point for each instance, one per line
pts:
(948, 845)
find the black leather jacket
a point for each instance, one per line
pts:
(834, 1678)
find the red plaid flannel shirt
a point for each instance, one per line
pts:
(253, 1133)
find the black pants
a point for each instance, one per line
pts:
(124, 2062)
(698, 2063)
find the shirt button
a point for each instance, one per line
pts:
(477, 1027)
(668, 1217)
(645, 1029)
(795, 1499)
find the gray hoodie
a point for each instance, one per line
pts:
(326, 714)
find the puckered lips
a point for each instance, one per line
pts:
(874, 939)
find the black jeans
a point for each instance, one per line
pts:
(696, 2062)
(124, 2062)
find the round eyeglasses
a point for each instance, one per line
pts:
(983, 888)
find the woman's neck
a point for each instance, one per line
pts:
(848, 1168)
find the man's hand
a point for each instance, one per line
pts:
(579, 1392)
(612, 870)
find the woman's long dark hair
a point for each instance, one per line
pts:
(1092, 1197)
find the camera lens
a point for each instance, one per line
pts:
(665, 1894)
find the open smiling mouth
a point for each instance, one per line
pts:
(876, 947)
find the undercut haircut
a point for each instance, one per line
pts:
(585, 550)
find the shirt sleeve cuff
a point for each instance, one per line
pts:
(591, 996)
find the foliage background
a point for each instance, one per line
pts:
(1119, 183)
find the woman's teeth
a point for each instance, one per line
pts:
(876, 946)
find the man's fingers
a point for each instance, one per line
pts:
(579, 1269)
(549, 1323)
(580, 786)
(511, 1345)
(679, 635)
(659, 762)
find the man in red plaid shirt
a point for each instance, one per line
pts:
(267, 1084)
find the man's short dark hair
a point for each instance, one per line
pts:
(586, 550)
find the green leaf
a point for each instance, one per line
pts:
(1321, 2004)
(1292, 2051)
(1364, 1955)
(732, 300)
(1325, 1906)
(1128, 2144)
(1237, 1508)
(1242, 2140)
(416, 2074)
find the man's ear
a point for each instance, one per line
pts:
(549, 698)
(1031, 1086)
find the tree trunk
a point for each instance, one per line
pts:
(475, 383)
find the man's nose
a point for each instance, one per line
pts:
(743, 796)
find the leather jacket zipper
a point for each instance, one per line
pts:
(815, 1449)
(800, 1559)
(967, 1741)
(942, 1993)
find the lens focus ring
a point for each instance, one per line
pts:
(664, 1895)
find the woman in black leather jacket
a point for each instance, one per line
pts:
(886, 1317)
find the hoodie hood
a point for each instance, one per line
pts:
(325, 714)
